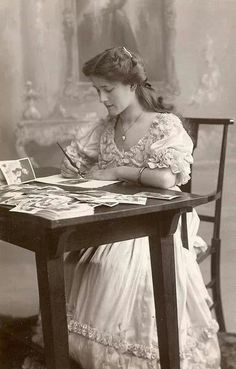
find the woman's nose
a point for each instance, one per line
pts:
(103, 97)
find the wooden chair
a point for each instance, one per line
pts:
(213, 251)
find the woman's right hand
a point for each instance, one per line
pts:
(68, 170)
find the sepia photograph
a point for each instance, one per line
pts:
(120, 252)
(17, 171)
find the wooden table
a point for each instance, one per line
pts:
(50, 239)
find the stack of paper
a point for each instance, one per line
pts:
(49, 202)
(53, 208)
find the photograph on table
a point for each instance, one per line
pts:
(17, 171)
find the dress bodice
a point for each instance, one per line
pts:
(165, 144)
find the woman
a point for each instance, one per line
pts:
(111, 314)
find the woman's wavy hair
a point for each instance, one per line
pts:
(119, 64)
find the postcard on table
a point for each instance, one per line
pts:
(156, 195)
(105, 198)
(17, 171)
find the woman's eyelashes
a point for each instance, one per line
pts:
(107, 90)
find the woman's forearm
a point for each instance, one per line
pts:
(159, 177)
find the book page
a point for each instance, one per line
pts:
(57, 179)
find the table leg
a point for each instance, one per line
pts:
(53, 311)
(164, 286)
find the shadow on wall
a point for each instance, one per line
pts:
(47, 156)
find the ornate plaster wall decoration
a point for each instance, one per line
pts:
(209, 85)
(31, 112)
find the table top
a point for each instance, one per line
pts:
(184, 201)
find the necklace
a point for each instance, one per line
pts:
(131, 125)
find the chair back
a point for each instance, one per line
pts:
(192, 126)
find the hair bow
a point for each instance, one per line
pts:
(147, 84)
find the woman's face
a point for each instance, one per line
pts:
(114, 95)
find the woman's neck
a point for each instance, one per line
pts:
(131, 113)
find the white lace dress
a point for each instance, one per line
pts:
(111, 313)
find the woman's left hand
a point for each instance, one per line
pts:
(108, 174)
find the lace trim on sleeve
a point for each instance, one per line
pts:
(164, 123)
(178, 162)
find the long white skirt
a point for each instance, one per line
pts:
(111, 313)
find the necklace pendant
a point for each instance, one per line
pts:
(123, 137)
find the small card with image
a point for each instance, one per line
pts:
(17, 171)
(156, 195)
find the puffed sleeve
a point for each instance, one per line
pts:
(171, 147)
(84, 147)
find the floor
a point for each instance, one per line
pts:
(18, 281)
